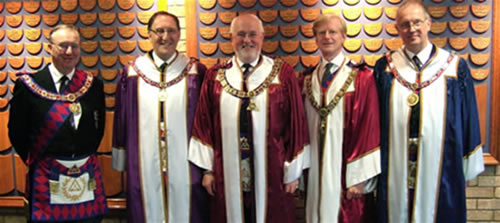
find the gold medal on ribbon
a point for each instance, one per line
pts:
(412, 99)
(73, 107)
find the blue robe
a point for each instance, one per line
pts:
(449, 149)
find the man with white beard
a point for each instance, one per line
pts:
(250, 132)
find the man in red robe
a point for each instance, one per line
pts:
(342, 111)
(250, 132)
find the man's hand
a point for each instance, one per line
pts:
(291, 187)
(355, 191)
(208, 182)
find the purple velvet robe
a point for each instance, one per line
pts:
(126, 136)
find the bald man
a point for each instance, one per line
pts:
(250, 132)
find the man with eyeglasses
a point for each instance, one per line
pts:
(250, 133)
(430, 139)
(156, 99)
(342, 111)
(56, 124)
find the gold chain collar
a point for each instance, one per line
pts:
(221, 77)
(324, 111)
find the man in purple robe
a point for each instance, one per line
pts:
(250, 132)
(430, 139)
(155, 104)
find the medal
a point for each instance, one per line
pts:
(252, 106)
(73, 170)
(74, 108)
(163, 95)
(412, 99)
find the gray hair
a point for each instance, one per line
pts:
(62, 26)
(418, 3)
(231, 29)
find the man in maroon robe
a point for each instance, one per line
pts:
(342, 111)
(250, 132)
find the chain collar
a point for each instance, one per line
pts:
(221, 77)
(70, 97)
(417, 86)
(324, 111)
(163, 85)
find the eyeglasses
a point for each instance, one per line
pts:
(64, 46)
(162, 31)
(243, 34)
(417, 24)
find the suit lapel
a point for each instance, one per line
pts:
(44, 79)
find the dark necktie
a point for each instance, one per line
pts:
(246, 70)
(63, 86)
(326, 75)
(245, 101)
(163, 66)
(415, 110)
(417, 62)
(246, 131)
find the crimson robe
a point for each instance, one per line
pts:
(351, 145)
(280, 141)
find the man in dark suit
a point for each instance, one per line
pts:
(56, 124)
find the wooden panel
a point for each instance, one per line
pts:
(117, 203)
(20, 201)
(191, 32)
(13, 202)
(494, 156)
(3, 89)
(21, 171)
(4, 131)
(109, 88)
(110, 102)
(7, 173)
(107, 139)
(112, 178)
(482, 106)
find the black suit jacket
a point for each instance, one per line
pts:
(28, 111)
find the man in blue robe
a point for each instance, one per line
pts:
(430, 138)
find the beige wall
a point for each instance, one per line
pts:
(483, 196)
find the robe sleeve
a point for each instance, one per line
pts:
(473, 163)
(120, 123)
(20, 119)
(201, 144)
(297, 148)
(362, 149)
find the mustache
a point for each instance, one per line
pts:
(247, 45)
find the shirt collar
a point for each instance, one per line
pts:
(337, 60)
(158, 61)
(56, 75)
(423, 55)
(253, 63)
